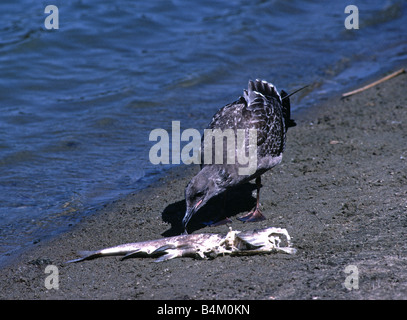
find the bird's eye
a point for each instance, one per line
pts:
(199, 194)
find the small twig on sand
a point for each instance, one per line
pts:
(394, 74)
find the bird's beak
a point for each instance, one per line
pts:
(197, 205)
(188, 215)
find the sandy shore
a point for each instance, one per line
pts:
(341, 192)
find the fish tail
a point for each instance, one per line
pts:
(86, 255)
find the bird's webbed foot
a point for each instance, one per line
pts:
(253, 216)
(218, 223)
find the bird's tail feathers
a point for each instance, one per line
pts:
(260, 87)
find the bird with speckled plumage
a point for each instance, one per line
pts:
(261, 108)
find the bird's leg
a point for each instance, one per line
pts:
(255, 214)
(226, 220)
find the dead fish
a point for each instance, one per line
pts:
(201, 246)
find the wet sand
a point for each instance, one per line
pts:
(341, 192)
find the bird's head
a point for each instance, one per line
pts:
(198, 192)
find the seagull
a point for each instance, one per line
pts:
(261, 108)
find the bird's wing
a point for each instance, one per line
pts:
(264, 113)
(228, 116)
(259, 108)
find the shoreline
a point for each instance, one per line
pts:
(301, 112)
(338, 192)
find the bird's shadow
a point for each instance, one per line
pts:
(234, 202)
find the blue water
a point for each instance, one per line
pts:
(78, 102)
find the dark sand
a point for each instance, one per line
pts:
(341, 192)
